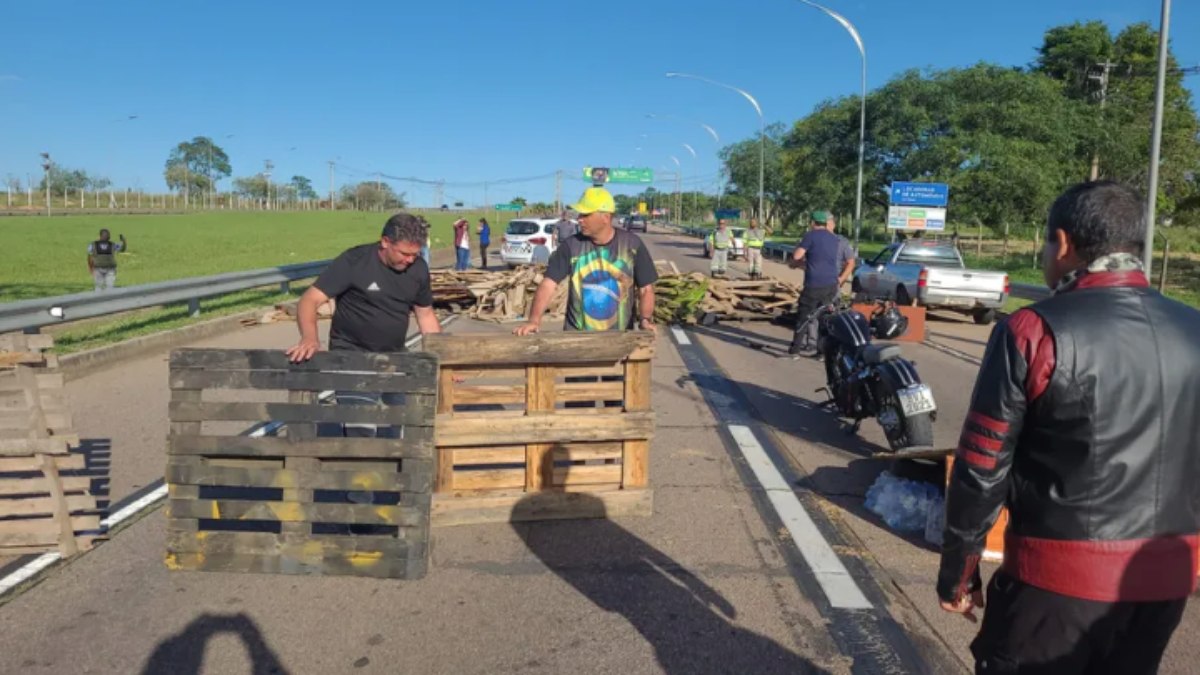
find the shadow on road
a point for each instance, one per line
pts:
(687, 622)
(183, 654)
(97, 454)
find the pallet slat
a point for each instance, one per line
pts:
(425, 383)
(417, 444)
(564, 348)
(489, 479)
(236, 509)
(410, 363)
(41, 531)
(505, 454)
(19, 464)
(464, 429)
(21, 486)
(498, 394)
(587, 451)
(33, 506)
(587, 475)
(196, 473)
(415, 412)
(590, 391)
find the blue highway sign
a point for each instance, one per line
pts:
(920, 194)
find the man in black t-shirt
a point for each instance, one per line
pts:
(376, 287)
(609, 273)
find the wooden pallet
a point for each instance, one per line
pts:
(40, 508)
(528, 425)
(306, 502)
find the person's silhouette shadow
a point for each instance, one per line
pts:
(183, 654)
(688, 623)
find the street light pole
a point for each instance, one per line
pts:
(862, 116)
(1156, 136)
(762, 132)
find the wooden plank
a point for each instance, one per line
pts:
(489, 479)
(590, 391)
(9, 359)
(38, 531)
(506, 454)
(445, 405)
(32, 463)
(417, 411)
(499, 394)
(20, 342)
(591, 370)
(635, 464)
(22, 486)
(450, 509)
(547, 349)
(301, 431)
(374, 565)
(417, 444)
(413, 363)
(637, 386)
(191, 378)
(587, 475)
(186, 396)
(540, 388)
(579, 452)
(32, 446)
(269, 543)
(464, 429)
(487, 373)
(237, 509)
(33, 506)
(193, 471)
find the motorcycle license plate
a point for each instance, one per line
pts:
(916, 400)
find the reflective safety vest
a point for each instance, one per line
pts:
(755, 238)
(104, 255)
(721, 240)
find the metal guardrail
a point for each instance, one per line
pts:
(30, 315)
(784, 251)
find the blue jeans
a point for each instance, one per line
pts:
(463, 261)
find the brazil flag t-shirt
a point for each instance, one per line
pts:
(602, 279)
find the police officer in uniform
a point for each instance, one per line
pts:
(102, 260)
(721, 240)
(756, 236)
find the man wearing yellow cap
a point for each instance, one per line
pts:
(609, 273)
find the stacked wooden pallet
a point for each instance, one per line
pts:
(40, 508)
(494, 296)
(542, 427)
(307, 502)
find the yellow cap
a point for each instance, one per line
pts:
(596, 199)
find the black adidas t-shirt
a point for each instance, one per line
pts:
(373, 300)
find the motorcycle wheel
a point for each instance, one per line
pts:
(902, 431)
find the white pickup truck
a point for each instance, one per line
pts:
(932, 274)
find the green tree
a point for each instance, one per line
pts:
(303, 187)
(519, 201)
(195, 166)
(742, 160)
(71, 180)
(251, 187)
(371, 196)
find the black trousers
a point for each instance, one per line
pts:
(810, 299)
(1029, 630)
(483, 256)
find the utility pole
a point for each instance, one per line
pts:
(485, 195)
(268, 165)
(1164, 30)
(46, 164)
(331, 185)
(1102, 78)
(439, 194)
(558, 191)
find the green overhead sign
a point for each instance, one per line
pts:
(508, 207)
(600, 175)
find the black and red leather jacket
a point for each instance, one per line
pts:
(1085, 423)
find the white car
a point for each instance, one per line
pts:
(528, 241)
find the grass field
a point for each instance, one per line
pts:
(48, 256)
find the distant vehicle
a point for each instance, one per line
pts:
(635, 223)
(528, 241)
(931, 274)
(738, 247)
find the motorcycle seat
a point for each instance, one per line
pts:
(881, 353)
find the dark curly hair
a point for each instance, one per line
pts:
(405, 227)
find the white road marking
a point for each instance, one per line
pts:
(835, 580)
(28, 571)
(680, 336)
(148, 500)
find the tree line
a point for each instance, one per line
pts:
(1007, 140)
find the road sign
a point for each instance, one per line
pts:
(642, 208)
(916, 218)
(920, 194)
(509, 207)
(601, 174)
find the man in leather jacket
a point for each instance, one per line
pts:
(1084, 424)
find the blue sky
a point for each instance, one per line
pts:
(470, 91)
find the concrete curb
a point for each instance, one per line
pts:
(83, 363)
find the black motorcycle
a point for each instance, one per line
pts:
(870, 380)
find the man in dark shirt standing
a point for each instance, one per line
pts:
(603, 266)
(377, 286)
(828, 263)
